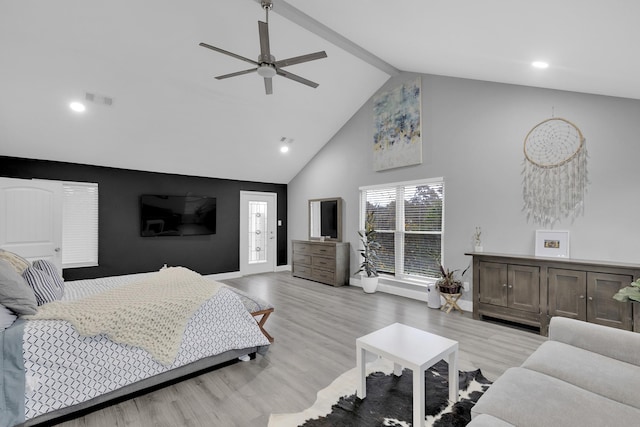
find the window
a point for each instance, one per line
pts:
(409, 224)
(79, 224)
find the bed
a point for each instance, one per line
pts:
(62, 372)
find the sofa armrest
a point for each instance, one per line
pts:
(611, 342)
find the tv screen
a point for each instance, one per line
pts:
(177, 215)
(329, 218)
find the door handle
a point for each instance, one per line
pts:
(57, 249)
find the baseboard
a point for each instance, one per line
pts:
(408, 292)
(225, 276)
(236, 274)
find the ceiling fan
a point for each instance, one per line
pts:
(266, 66)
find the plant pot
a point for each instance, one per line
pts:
(369, 284)
(478, 248)
(450, 289)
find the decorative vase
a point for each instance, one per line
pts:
(369, 284)
(478, 248)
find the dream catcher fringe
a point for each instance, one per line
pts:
(555, 172)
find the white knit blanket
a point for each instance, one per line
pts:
(151, 314)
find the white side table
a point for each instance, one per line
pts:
(410, 348)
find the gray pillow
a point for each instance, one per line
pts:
(17, 262)
(7, 317)
(15, 294)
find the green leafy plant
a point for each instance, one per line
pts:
(447, 283)
(370, 247)
(631, 292)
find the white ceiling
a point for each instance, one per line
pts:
(170, 115)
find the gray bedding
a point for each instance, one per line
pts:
(12, 379)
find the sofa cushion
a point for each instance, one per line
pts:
(486, 420)
(524, 397)
(592, 371)
(610, 342)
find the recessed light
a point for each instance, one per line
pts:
(78, 107)
(540, 64)
(284, 149)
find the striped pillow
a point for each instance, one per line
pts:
(49, 268)
(44, 286)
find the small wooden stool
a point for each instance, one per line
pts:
(451, 302)
(265, 315)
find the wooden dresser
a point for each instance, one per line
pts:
(325, 262)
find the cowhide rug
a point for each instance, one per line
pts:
(389, 400)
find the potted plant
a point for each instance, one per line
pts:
(369, 255)
(448, 283)
(629, 293)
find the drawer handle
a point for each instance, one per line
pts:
(590, 298)
(581, 296)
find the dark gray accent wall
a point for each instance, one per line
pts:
(121, 248)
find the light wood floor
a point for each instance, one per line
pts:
(315, 327)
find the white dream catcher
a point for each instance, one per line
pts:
(555, 171)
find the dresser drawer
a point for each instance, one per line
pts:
(324, 263)
(323, 276)
(302, 247)
(301, 259)
(301, 270)
(324, 250)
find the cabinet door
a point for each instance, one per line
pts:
(601, 307)
(493, 283)
(524, 288)
(567, 293)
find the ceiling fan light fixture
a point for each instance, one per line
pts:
(266, 70)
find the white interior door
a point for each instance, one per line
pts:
(258, 249)
(31, 219)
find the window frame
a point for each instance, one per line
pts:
(88, 234)
(399, 232)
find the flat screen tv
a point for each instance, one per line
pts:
(177, 215)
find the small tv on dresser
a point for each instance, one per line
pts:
(163, 215)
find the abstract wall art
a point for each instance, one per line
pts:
(397, 136)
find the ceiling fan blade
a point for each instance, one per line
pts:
(297, 78)
(237, 73)
(268, 85)
(265, 50)
(226, 52)
(300, 59)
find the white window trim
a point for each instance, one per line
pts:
(399, 275)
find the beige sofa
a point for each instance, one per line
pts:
(584, 375)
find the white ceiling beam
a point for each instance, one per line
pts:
(296, 16)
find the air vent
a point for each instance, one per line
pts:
(98, 99)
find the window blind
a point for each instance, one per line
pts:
(79, 224)
(382, 203)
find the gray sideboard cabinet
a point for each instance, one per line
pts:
(325, 262)
(530, 290)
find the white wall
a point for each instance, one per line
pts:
(473, 134)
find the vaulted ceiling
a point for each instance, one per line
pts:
(169, 113)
